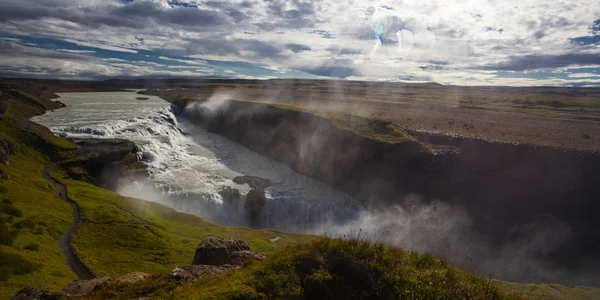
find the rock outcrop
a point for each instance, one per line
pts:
(255, 199)
(104, 162)
(6, 149)
(80, 288)
(500, 186)
(218, 252)
(30, 293)
(191, 273)
(215, 256)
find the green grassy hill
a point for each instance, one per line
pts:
(119, 234)
(328, 269)
(122, 235)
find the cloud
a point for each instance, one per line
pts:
(296, 48)
(331, 70)
(298, 35)
(344, 51)
(533, 62)
(10, 49)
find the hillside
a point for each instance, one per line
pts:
(120, 235)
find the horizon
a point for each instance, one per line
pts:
(457, 43)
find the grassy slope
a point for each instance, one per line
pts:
(119, 235)
(329, 269)
(122, 235)
(33, 257)
(551, 291)
(156, 237)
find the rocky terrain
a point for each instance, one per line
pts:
(121, 235)
(105, 162)
(213, 256)
(500, 185)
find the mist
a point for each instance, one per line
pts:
(296, 202)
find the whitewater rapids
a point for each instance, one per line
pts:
(189, 167)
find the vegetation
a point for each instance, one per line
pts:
(551, 291)
(119, 235)
(328, 269)
(122, 235)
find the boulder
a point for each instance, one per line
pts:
(215, 256)
(81, 288)
(184, 274)
(254, 182)
(85, 287)
(30, 293)
(133, 277)
(217, 252)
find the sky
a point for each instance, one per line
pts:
(459, 42)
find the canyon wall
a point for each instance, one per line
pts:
(503, 187)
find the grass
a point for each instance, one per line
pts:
(35, 216)
(327, 269)
(122, 235)
(119, 235)
(551, 291)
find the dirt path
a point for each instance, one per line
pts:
(64, 243)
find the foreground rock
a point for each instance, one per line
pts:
(30, 293)
(78, 288)
(193, 272)
(215, 256)
(217, 252)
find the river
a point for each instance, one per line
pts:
(190, 167)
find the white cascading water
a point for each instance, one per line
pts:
(189, 167)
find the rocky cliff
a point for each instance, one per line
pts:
(501, 186)
(105, 162)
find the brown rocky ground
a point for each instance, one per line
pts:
(559, 117)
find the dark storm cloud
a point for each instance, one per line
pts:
(544, 24)
(231, 10)
(296, 48)
(331, 70)
(134, 14)
(9, 49)
(290, 14)
(532, 62)
(251, 48)
(9, 70)
(343, 51)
